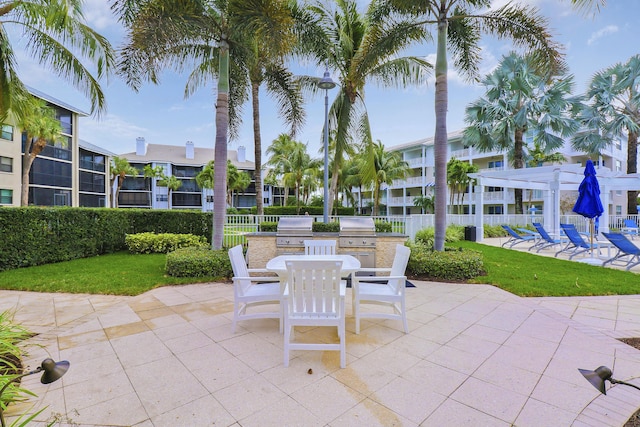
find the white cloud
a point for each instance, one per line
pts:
(112, 132)
(98, 14)
(609, 29)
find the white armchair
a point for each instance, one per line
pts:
(387, 291)
(251, 291)
(314, 296)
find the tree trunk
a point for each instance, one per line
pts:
(257, 143)
(518, 163)
(440, 138)
(27, 161)
(632, 162)
(220, 152)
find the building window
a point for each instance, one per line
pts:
(498, 164)
(6, 164)
(494, 210)
(6, 197)
(618, 209)
(209, 199)
(6, 132)
(162, 198)
(618, 166)
(618, 192)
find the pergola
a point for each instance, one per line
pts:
(552, 180)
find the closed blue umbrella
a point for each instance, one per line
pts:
(588, 204)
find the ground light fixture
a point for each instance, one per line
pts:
(326, 83)
(51, 371)
(600, 376)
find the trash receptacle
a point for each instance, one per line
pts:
(470, 233)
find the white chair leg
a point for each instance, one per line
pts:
(287, 341)
(404, 316)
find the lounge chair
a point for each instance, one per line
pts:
(545, 240)
(576, 244)
(515, 238)
(625, 247)
(630, 228)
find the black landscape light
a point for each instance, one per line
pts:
(52, 371)
(600, 376)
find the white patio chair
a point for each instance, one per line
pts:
(319, 247)
(252, 291)
(314, 296)
(387, 290)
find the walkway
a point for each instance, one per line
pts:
(476, 356)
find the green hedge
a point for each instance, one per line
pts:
(198, 262)
(37, 235)
(447, 266)
(148, 243)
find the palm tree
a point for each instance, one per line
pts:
(458, 179)
(520, 101)
(39, 123)
(204, 36)
(279, 151)
(459, 25)
(236, 181)
(119, 169)
(613, 108)
(265, 67)
(172, 183)
(425, 203)
(58, 39)
(388, 166)
(360, 48)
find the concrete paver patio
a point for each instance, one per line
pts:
(475, 355)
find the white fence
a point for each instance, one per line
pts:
(237, 226)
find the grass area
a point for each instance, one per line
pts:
(114, 274)
(528, 274)
(518, 272)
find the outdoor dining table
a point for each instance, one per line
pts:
(350, 264)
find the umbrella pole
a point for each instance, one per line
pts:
(591, 233)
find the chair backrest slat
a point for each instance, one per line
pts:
(399, 266)
(320, 247)
(314, 287)
(239, 266)
(621, 242)
(572, 234)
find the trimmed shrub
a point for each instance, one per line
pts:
(426, 236)
(268, 226)
(494, 231)
(198, 262)
(147, 243)
(446, 266)
(383, 226)
(321, 227)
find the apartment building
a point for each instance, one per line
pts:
(185, 163)
(68, 172)
(400, 195)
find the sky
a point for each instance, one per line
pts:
(162, 115)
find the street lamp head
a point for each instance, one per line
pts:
(326, 82)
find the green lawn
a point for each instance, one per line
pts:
(527, 274)
(515, 271)
(114, 274)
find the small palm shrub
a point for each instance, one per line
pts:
(198, 262)
(147, 243)
(494, 231)
(11, 335)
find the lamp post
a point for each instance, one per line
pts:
(53, 371)
(326, 83)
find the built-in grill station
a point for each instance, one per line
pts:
(358, 238)
(292, 232)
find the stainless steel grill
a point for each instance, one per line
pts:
(358, 232)
(293, 231)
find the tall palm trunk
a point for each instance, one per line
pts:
(518, 163)
(220, 152)
(440, 137)
(632, 167)
(257, 143)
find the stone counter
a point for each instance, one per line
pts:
(262, 248)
